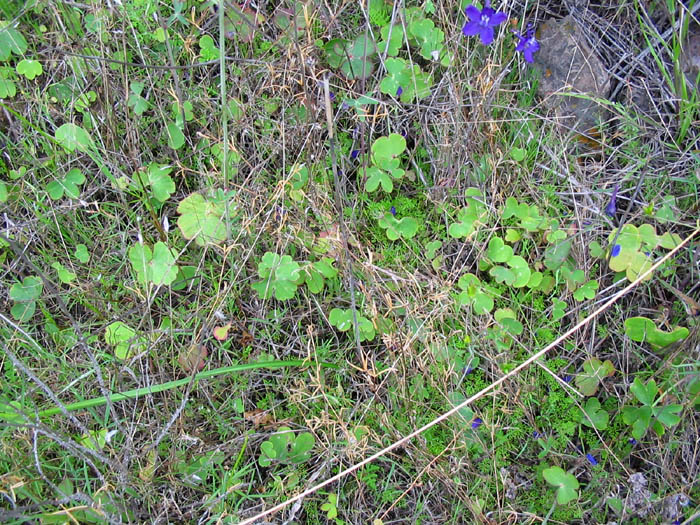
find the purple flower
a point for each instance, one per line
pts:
(537, 435)
(482, 22)
(591, 459)
(615, 250)
(528, 45)
(399, 91)
(476, 423)
(632, 441)
(354, 153)
(611, 208)
(567, 378)
(393, 210)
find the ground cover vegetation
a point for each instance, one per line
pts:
(244, 246)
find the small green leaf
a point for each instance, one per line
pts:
(158, 178)
(667, 414)
(594, 371)
(176, 139)
(73, 137)
(280, 276)
(8, 89)
(22, 312)
(597, 417)
(11, 41)
(498, 251)
(29, 68)
(81, 253)
(3, 192)
(202, 219)
(644, 393)
(157, 267)
(124, 340)
(28, 290)
(209, 50)
(586, 291)
(567, 484)
(64, 275)
(518, 154)
(642, 329)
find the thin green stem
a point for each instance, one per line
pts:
(144, 391)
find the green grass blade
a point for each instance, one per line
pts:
(144, 391)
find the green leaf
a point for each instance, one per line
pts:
(67, 186)
(280, 276)
(301, 449)
(341, 319)
(8, 89)
(377, 177)
(594, 371)
(597, 417)
(639, 418)
(158, 178)
(28, 290)
(64, 275)
(394, 42)
(22, 312)
(138, 103)
(667, 414)
(73, 137)
(518, 154)
(202, 219)
(209, 50)
(157, 267)
(474, 294)
(521, 271)
(3, 192)
(587, 291)
(644, 393)
(498, 251)
(176, 139)
(124, 340)
(431, 248)
(11, 41)
(29, 68)
(556, 254)
(502, 275)
(642, 329)
(567, 484)
(512, 235)
(81, 253)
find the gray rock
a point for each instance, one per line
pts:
(567, 64)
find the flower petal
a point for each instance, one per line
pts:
(486, 34)
(471, 28)
(497, 18)
(472, 12)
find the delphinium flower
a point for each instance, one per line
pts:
(611, 209)
(616, 250)
(392, 210)
(476, 423)
(399, 91)
(354, 153)
(527, 44)
(481, 22)
(591, 459)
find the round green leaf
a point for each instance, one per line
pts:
(73, 137)
(29, 68)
